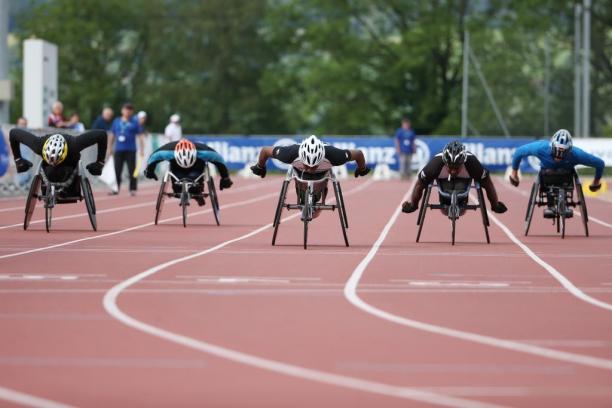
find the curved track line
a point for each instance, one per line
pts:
(28, 400)
(136, 227)
(350, 292)
(110, 305)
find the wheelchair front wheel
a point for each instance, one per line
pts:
(161, 196)
(89, 202)
(33, 195)
(583, 209)
(48, 217)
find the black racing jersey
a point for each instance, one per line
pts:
(436, 169)
(288, 154)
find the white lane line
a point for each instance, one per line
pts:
(108, 210)
(350, 292)
(591, 218)
(136, 227)
(447, 284)
(110, 305)
(28, 400)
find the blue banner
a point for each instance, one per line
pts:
(494, 153)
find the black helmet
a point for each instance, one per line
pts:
(454, 154)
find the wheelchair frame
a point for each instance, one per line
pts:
(539, 197)
(50, 197)
(308, 206)
(208, 191)
(454, 208)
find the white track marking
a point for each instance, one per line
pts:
(110, 305)
(28, 400)
(136, 227)
(350, 292)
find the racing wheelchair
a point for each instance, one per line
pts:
(186, 189)
(76, 187)
(311, 197)
(454, 196)
(554, 188)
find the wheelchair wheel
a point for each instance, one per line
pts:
(214, 199)
(306, 234)
(531, 206)
(31, 200)
(423, 211)
(453, 221)
(48, 218)
(161, 196)
(583, 208)
(341, 202)
(341, 213)
(89, 202)
(184, 206)
(561, 208)
(279, 209)
(483, 211)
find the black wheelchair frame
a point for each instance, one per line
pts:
(49, 193)
(185, 196)
(307, 203)
(562, 192)
(455, 208)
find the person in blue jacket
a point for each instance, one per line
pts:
(187, 160)
(558, 154)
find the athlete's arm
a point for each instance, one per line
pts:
(16, 138)
(90, 138)
(338, 157)
(529, 149)
(589, 160)
(427, 175)
(215, 158)
(479, 173)
(165, 152)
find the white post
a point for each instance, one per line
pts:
(586, 69)
(546, 86)
(464, 97)
(5, 85)
(39, 80)
(577, 73)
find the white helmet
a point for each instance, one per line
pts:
(311, 151)
(175, 118)
(55, 150)
(185, 153)
(561, 143)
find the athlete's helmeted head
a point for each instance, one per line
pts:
(185, 153)
(55, 150)
(311, 151)
(561, 144)
(454, 155)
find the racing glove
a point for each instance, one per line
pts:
(362, 173)
(499, 207)
(95, 168)
(259, 171)
(225, 183)
(150, 173)
(594, 187)
(408, 207)
(22, 165)
(513, 181)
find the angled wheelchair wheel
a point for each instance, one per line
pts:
(531, 206)
(184, 207)
(453, 222)
(214, 199)
(89, 202)
(583, 207)
(483, 211)
(306, 234)
(31, 200)
(341, 202)
(423, 211)
(341, 213)
(48, 218)
(279, 209)
(562, 208)
(161, 197)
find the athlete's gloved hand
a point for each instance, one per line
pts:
(499, 207)
(225, 183)
(150, 174)
(258, 171)
(514, 181)
(408, 207)
(595, 187)
(22, 165)
(362, 173)
(95, 168)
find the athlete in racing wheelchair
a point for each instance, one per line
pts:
(311, 169)
(188, 175)
(554, 185)
(59, 178)
(453, 171)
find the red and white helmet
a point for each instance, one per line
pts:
(311, 151)
(185, 153)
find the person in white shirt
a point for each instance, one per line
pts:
(174, 132)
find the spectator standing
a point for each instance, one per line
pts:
(104, 121)
(56, 118)
(173, 131)
(22, 123)
(75, 123)
(125, 131)
(405, 147)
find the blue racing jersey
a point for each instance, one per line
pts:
(542, 150)
(125, 134)
(204, 155)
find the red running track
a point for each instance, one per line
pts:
(144, 315)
